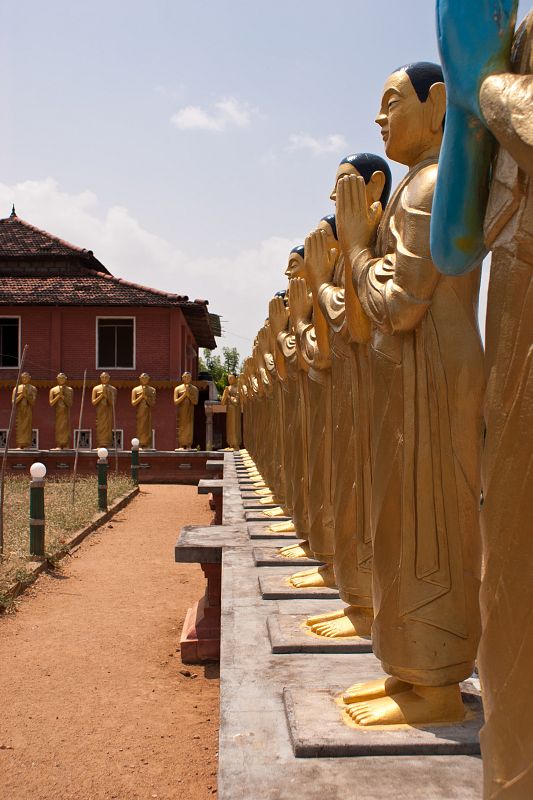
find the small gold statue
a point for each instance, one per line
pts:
(24, 399)
(186, 397)
(231, 398)
(104, 397)
(143, 398)
(61, 397)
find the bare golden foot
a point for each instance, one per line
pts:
(355, 621)
(267, 500)
(324, 617)
(371, 690)
(317, 577)
(300, 550)
(259, 485)
(421, 705)
(283, 527)
(274, 512)
(263, 492)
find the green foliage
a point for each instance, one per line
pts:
(219, 367)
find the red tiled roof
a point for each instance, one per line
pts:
(99, 289)
(19, 239)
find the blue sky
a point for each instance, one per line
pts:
(192, 144)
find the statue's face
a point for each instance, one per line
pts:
(144, 379)
(405, 122)
(295, 267)
(232, 379)
(61, 379)
(104, 377)
(186, 378)
(25, 377)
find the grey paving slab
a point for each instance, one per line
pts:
(255, 515)
(261, 530)
(210, 486)
(288, 633)
(199, 544)
(257, 504)
(270, 557)
(318, 729)
(277, 587)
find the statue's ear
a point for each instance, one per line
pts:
(377, 182)
(437, 99)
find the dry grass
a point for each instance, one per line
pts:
(62, 520)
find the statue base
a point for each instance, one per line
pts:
(318, 729)
(288, 633)
(261, 530)
(271, 557)
(277, 587)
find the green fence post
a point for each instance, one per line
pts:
(37, 472)
(135, 461)
(102, 478)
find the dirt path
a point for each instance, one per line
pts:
(92, 702)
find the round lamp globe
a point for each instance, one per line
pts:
(37, 471)
(102, 452)
(135, 444)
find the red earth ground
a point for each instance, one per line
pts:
(95, 702)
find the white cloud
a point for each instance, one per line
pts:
(226, 113)
(334, 143)
(238, 286)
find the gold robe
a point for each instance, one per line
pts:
(351, 477)
(231, 398)
(427, 388)
(24, 414)
(297, 445)
(506, 649)
(321, 534)
(186, 414)
(62, 414)
(104, 415)
(144, 415)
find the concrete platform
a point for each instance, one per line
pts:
(288, 633)
(318, 730)
(276, 587)
(270, 557)
(260, 530)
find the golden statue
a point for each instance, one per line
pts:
(143, 398)
(426, 362)
(61, 397)
(186, 397)
(231, 398)
(104, 397)
(506, 649)
(24, 400)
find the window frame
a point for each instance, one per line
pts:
(83, 430)
(110, 366)
(14, 316)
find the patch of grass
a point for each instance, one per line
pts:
(62, 520)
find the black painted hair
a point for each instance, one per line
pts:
(368, 163)
(332, 222)
(300, 250)
(281, 294)
(423, 75)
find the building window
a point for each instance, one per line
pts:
(85, 438)
(9, 341)
(115, 343)
(118, 440)
(34, 438)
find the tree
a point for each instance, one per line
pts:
(219, 369)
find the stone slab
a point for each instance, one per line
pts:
(260, 530)
(210, 486)
(255, 504)
(255, 515)
(270, 557)
(198, 544)
(275, 587)
(288, 634)
(317, 730)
